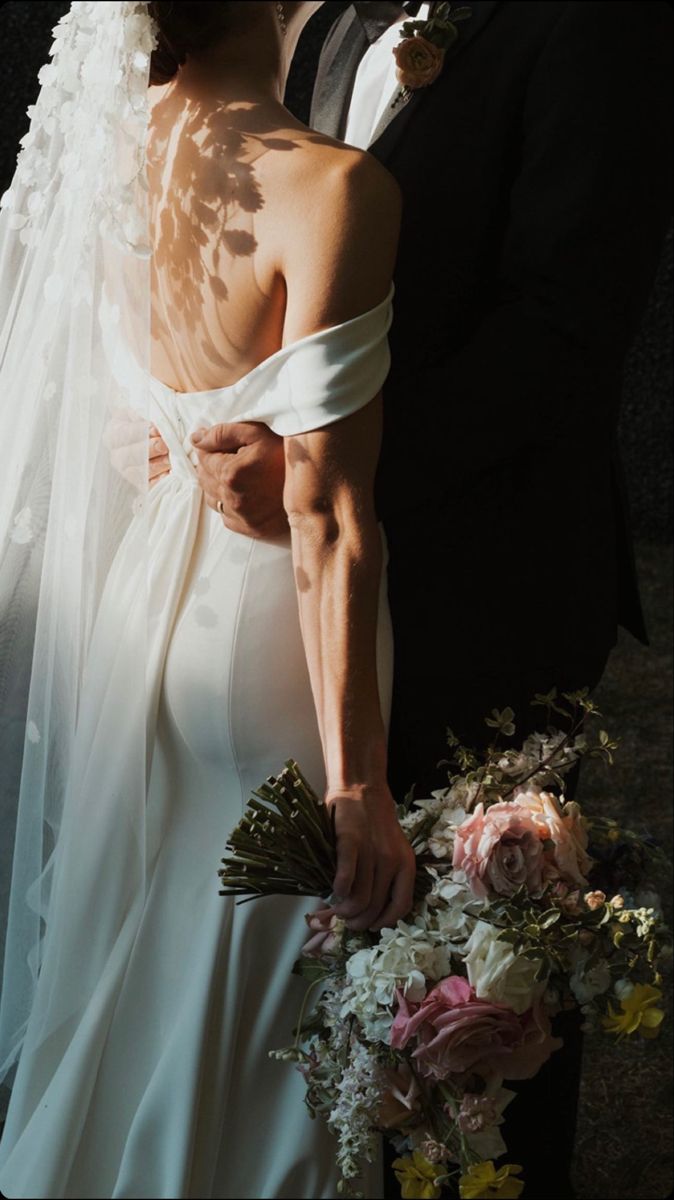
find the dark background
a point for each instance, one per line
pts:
(646, 430)
(624, 1142)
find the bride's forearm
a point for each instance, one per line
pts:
(337, 557)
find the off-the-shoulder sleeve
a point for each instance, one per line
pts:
(324, 377)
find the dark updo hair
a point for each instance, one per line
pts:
(186, 28)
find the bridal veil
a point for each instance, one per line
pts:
(74, 297)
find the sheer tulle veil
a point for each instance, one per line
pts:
(74, 306)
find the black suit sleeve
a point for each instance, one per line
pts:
(589, 208)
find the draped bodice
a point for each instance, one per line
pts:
(305, 385)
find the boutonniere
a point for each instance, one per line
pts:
(420, 53)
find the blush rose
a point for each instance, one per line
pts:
(562, 823)
(455, 1032)
(500, 850)
(419, 62)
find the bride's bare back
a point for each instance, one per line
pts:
(251, 217)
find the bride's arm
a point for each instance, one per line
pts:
(337, 554)
(337, 557)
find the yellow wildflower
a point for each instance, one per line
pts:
(482, 1182)
(638, 1012)
(416, 1176)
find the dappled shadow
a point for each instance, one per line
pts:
(205, 194)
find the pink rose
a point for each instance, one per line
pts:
(563, 825)
(455, 1032)
(500, 850)
(419, 62)
(400, 1100)
(326, 941)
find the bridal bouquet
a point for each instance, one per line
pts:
(524, 907)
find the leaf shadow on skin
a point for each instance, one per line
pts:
(204, 199)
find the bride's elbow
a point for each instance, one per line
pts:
(314, 521)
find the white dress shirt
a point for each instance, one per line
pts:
(375, 86)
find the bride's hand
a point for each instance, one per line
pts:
(136, 452)
(376, 865)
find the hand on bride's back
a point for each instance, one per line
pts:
(376, 866)
(242, 466)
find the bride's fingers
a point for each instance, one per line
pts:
(379, 899)
(159, 466)
(157, 447)
(358, 898)
(402, 899)
(347, 860)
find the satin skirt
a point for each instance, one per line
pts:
(161, 1084)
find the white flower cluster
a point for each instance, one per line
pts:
(412, 821)
(450, 807)
(354, 1114)
(405, 958)
(453, 909)
(441, 836)
(588, 982)
(537, 749)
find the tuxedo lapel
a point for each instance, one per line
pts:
(334, 85)
(397, 115)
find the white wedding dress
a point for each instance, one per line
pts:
(160, 1084)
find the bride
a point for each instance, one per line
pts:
(170, 258)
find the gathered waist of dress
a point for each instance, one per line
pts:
(177, 416)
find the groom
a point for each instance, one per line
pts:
(536, 182)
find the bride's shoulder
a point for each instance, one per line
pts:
(344, 177)
(336, 192)
(340, 223)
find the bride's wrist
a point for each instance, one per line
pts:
(370, 785)
(355, 765)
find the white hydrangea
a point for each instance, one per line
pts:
(453, 910)
(405, 958)
(441, 836)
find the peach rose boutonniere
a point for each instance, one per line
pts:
(420, 53)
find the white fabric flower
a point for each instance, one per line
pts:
(91, 128)
(23, 531)
(53, 289)
(499, 975)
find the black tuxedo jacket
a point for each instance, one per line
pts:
(537, 190)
